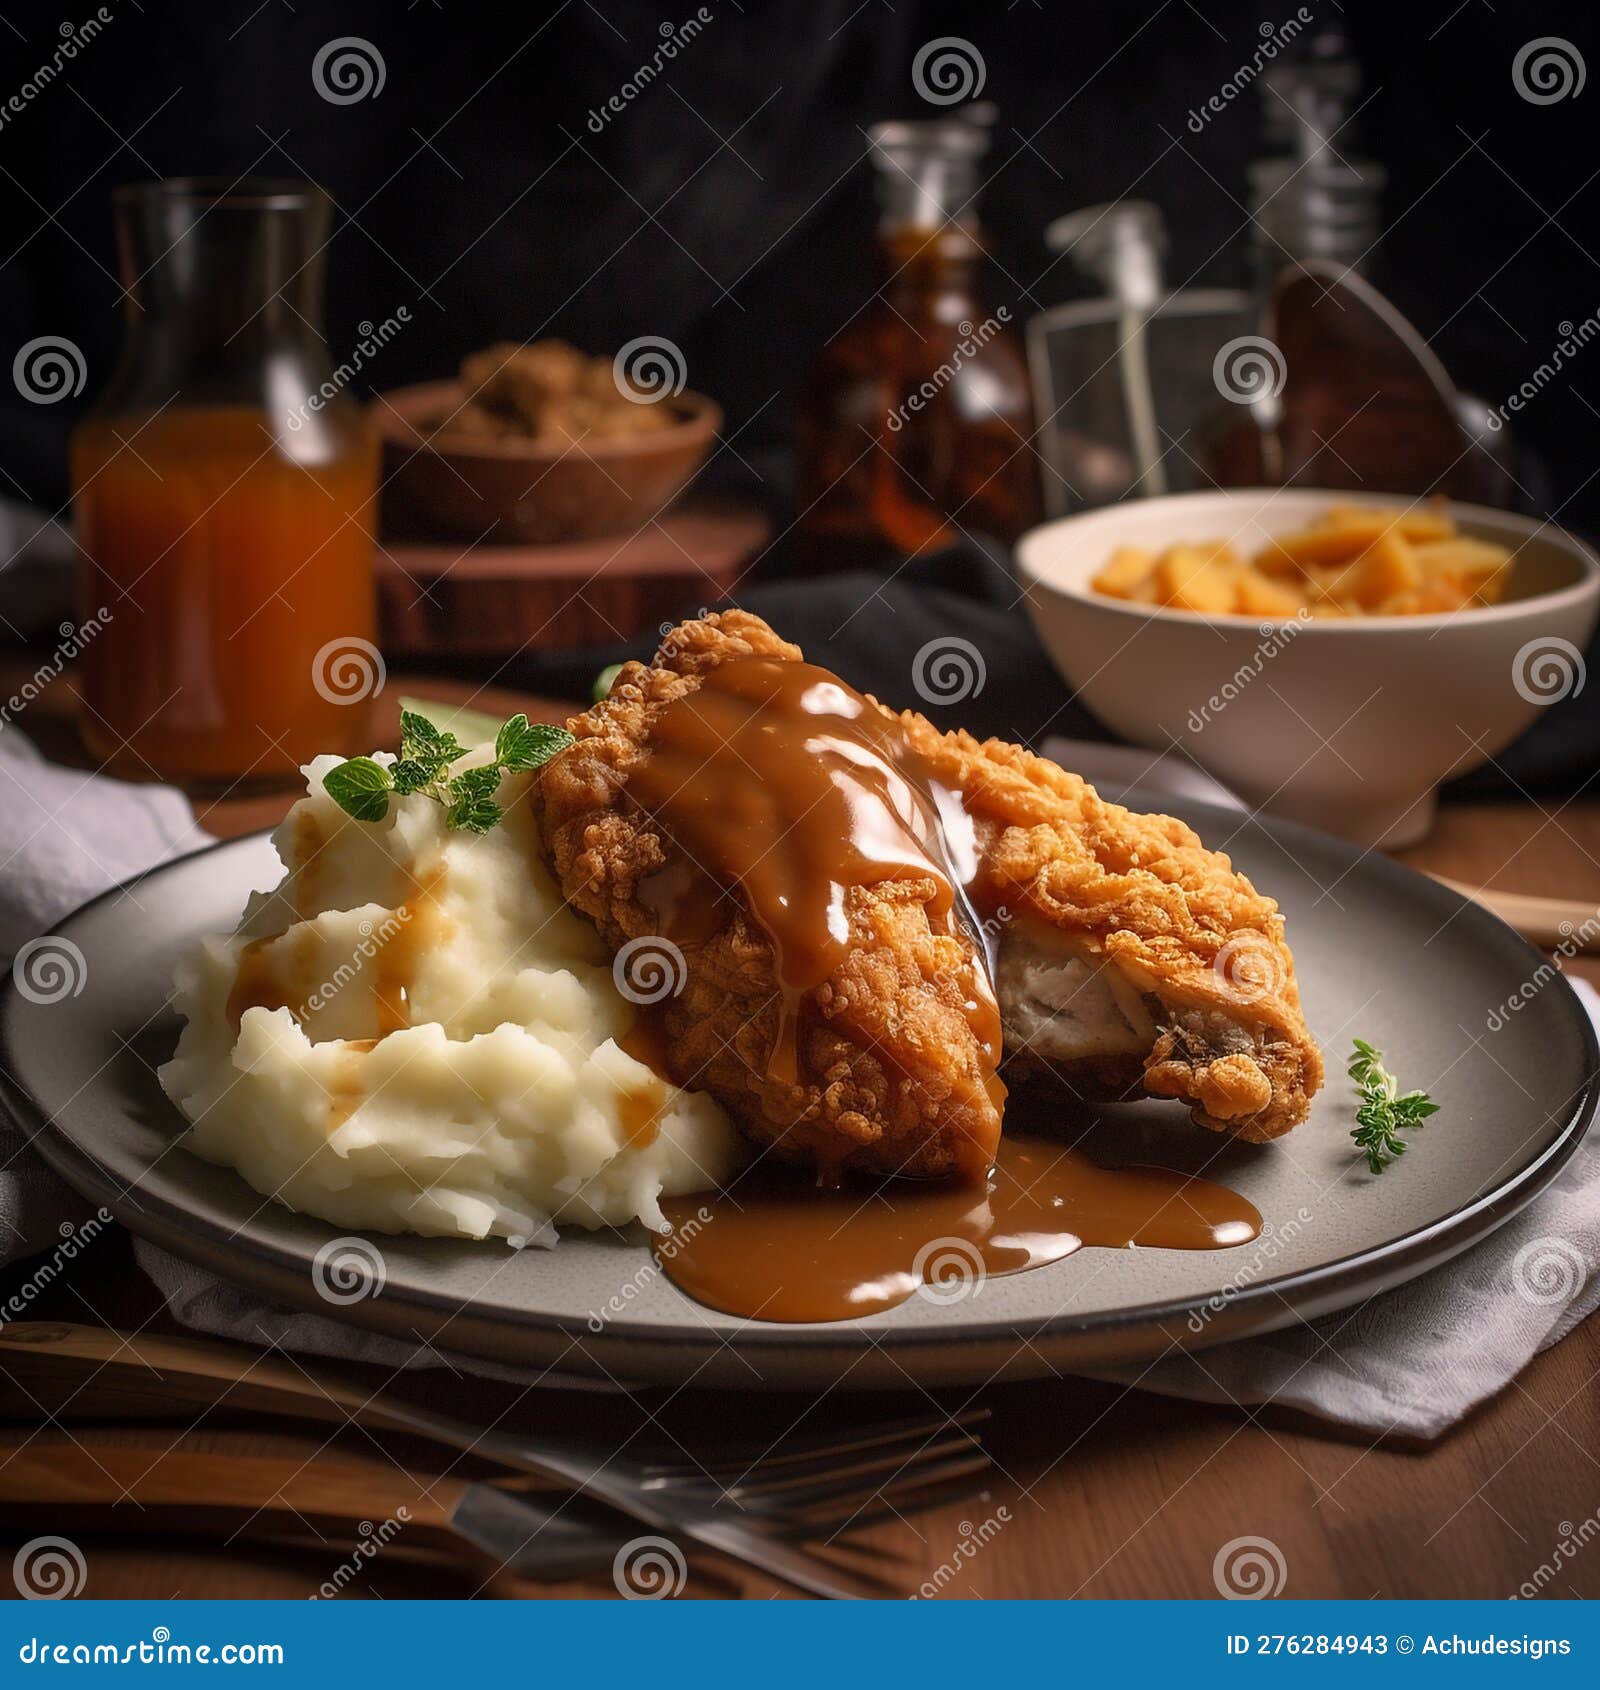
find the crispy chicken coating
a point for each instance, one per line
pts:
(1132, 959)
(889, 1074)
(1127, 958)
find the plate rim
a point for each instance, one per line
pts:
(1413, 1252)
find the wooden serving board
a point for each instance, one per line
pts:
(455, 599)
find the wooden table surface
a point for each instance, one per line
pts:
(1105, 1491)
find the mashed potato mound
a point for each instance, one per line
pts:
(413, 1033)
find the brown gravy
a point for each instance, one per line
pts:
(347, 1092)
(276, 972)
(779, 1248)
(287, 973)
(779, 779)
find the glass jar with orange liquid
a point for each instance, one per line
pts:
(224, 491)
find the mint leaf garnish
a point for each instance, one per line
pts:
(360, 787)
(422, 740)
(522, 744)
(470, 802)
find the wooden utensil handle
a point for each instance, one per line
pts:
(1565, 924)
(190, 1369)
(83, 1474)
(76, 1373)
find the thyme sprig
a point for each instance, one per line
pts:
(1386, 1113)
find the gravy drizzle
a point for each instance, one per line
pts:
(780, 779)
(778, 1248)
(287, 971)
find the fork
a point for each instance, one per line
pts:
(750, 1504)
(754, 1518)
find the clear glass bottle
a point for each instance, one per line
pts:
(224, 492)
(917, 421)
(1311, 199)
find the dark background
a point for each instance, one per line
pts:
(729, 207)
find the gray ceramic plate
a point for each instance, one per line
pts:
(1381, 952)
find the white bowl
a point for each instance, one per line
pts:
(1348, 724)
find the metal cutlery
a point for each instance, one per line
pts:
(753, 1505)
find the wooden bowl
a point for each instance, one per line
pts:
(529, 491)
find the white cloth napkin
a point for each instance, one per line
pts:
(1412, 1362)
(65, 836)
(1418, 1359)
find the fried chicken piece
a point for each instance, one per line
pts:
(1128, 958)
(888, 1072)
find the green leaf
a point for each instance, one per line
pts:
(471, 799)
(409, 775)
(466, 727)
(522, 744)
(1385, 1114)
(422, 742)
(360, 787)
(429, 745)
(603, 681)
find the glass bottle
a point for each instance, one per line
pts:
(224, 493)
(1310, 199)
(916, 424)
